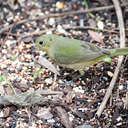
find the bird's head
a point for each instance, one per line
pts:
(44, 42)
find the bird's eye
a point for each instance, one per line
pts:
(41, 42)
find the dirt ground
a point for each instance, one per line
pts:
(31, 94)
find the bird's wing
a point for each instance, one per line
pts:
(76, 52)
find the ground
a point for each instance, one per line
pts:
(69, 100)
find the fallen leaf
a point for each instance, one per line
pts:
(45, 113)
(64, 117)
(44, 62)
(95, 36)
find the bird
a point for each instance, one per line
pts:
(73, 53)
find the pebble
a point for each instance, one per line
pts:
(81, 22)
(119, 124)
(45, 113)
(51, 21)
(92, 22)
(100, 25)
(51, 121)
(109, 24)
(71, 117)
(60, 5)
(119, 119)
(23, 81)
(28, 56)
(85, 126)
(1, 114)
(105, 78)
(4, 51)
(110, 74)
(49, 32)
(121, 87)
(9, 42)
(49, 81)
(3, 66)
(60, 29)
(78, 89)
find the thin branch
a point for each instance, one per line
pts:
(34, 33)
(58, 15)
(92, 28)
(120, 60)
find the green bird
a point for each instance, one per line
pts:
(73, 53)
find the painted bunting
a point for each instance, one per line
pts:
(73, 53)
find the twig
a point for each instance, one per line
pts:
(120, 60)
(92, 28)
(58, 15)
(33, 33)
(48, 92)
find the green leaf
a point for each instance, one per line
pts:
(86, 4)
(13, 58)
(1, 78)
(36, 73)
(108, 60)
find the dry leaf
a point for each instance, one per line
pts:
(95, 36)
(9, 90)
(44, 62)
(64, 117)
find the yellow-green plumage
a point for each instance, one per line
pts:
(75, 54)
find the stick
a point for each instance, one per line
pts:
(120, 60)
(34, 33)
(91, 28)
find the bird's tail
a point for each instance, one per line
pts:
(118, 51)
